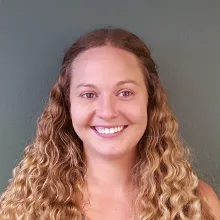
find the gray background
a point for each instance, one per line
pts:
(184, 37)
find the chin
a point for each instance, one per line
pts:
(111, 150)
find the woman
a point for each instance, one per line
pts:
(107, 144)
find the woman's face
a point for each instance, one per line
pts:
(108, 100)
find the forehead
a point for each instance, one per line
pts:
(106, 63)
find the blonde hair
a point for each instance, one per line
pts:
(51, 177)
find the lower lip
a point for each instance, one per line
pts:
(109, 135)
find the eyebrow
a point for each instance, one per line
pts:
(120, 83)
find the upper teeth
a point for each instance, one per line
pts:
(109, 130)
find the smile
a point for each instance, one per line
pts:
(109, 131)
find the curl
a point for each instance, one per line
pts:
(49, 179)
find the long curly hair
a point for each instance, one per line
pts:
(50, 179)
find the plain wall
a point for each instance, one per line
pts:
(183, 37)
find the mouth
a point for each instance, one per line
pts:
(109, 131)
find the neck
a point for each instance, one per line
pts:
(112, 176)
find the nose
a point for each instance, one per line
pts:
(106, 108)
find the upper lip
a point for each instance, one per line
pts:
(109, 126)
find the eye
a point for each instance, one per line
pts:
(125, 94)
(89, 95)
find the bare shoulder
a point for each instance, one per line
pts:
(211, 198)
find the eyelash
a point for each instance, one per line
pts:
(126, 92)
(85, 94)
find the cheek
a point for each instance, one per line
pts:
(140, 117)
(80, 115)
(137, 113)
